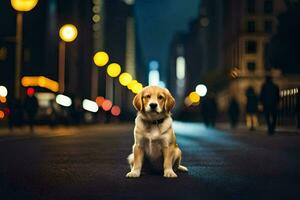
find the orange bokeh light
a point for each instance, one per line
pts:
(1, 114)
(115, 111)
(100, 100)
(106, 105)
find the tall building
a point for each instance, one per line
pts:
(248, 27)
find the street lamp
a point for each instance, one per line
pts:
(67, 33)
(20, 6)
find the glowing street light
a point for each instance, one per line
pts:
(201, 90)
(67, 33)
(113, 70)
(3, 91)
(131, 84)
(125, 78)
(194, 97)
(23, 5)
(90, 105)
(63, 100)
(101, 58)
(136, 88)
(20, 6)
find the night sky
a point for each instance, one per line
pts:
(158, 21)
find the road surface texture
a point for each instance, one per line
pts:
(90, 163)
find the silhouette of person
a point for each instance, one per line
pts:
(209, 110)
(269, 97)
(31, 107)
(15, 113)
(233, 112)
(251, 109)
(298, 108)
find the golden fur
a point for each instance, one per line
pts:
(154, 137)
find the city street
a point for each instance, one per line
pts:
(90, 163)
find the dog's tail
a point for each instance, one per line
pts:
(130, 160)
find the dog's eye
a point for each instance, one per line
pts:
(160, 97)
(147, 96)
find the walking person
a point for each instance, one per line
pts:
(269, 98)
(233, 112)
(31, 107)
(251, 109)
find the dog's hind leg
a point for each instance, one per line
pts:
(177, 163)
(130, 160)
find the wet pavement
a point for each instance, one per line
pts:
(90, 163)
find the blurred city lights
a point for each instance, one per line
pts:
(100, 100)
(68, 32)
(136, 88)
(30, 91)
(23, 5)
(40, 81)
(2, 99)
(107, 104)
(194, 97)
(201, 90)
(131, 84)
(89, 105)
(1, 114)
(113, 70)
(101, 58)
(153, 77)
(153, 65)
(187, 102)
(125, 78)
(3, 91)
(180, 68)
(96, 18)
(6, 111)
(63, 100)
(115, 111)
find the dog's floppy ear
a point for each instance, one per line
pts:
(170, 101)
(137, 101)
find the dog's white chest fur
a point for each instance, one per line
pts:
(152, 137)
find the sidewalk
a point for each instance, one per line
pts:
(241, 128)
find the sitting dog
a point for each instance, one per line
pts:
(154, 137)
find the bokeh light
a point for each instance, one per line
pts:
(115, 111)
(113, 70)
(3, 91)
(1, 114)
(101, 58)
(68, 32)
(106, 105)
(201, 90)
(187, 102)
(2, 99)
(131, 84)
(100, 100)
(125, 78)
(136, 88)
(63, 100)
(23, 5)
(89, 105)
(30, 91)
(194, 97)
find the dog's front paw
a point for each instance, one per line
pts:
(169, 173)
(133, 174)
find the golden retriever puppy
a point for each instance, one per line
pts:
(154, 137)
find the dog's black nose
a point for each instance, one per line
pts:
(153, 106)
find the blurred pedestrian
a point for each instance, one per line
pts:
(31, 108)
(209, 110)
(15, 117)
(298, 108)
(251, 109)
(269, 97)
(233, 112)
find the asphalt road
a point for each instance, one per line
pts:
(90, 163)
